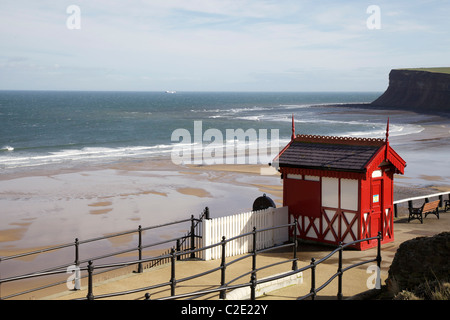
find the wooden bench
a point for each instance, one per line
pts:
(426, 208)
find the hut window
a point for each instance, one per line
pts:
(377, 174)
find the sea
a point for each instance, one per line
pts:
(65, 129)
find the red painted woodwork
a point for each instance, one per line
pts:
(305, 197)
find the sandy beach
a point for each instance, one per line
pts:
(48, 208)
(56, 208)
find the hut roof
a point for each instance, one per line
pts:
(337, 153)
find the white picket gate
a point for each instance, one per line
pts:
(234, 225)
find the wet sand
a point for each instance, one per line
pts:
(54, 209)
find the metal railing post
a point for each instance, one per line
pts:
(410, 204)
(173, 281)
(379, 250)
(294, 263)
(253, 286)
(77, 256)
(140, 269)
(192, 237)
(254, 249)
(77, 280)
(223, 267)
(313, 278)
(178, 249)
(207, 217)
(339, 295)
(253, 275)
(378, 284)
(90, 294)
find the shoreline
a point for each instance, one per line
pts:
(378, 108)
(118, 198)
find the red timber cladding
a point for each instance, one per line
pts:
(332, 215)
(379, 185)
(365, 221)
(388, 217)
(342, 209)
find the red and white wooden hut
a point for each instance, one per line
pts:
(339, 188)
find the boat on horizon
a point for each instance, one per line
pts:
(170, 91)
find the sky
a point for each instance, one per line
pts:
(218, 45)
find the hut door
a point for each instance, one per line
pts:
(375, 219)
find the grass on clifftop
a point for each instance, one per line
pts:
(436, 70)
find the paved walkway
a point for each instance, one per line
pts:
(354, 280)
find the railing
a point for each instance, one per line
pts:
(185, 243)
(313, 291)
(426, 197)
(252, 284)
(173, 281)
(223, 287)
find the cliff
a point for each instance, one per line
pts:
(417, 89)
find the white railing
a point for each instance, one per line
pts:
(423, 197)
(234, 225)
(426, 197)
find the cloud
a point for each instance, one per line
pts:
(197, 44)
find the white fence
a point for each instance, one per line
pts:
(234, 225)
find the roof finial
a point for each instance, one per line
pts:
(293, 128)
(387, 131)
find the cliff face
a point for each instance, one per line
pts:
(416, 90)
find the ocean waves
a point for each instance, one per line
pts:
(318, 119)
(7, 148)
(24, 159)
(353, 128)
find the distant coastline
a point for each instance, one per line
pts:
(422, 90)
(379, 108)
